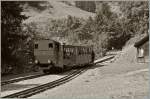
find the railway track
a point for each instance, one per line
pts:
(39, 75)
(20, 79)
(32, 91)
(38, 89)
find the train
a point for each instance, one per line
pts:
(51, 55)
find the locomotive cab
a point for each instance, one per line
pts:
(46, 53)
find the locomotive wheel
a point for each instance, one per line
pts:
(59, 70)
(56, 70)
(53, 70)
(66, 68)
(35, 68)
(46, 71)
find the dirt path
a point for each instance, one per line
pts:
(112, 80)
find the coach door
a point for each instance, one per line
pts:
(57, 52)
(69, 55)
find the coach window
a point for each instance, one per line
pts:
(82, 50)
(69, 51)
(36, 46)
(72, 51)
(65, 52)
(85, 50)
(68, 54)
(88, 50)
(50, 45)
(79, 51)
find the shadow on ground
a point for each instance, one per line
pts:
(96, 66)
(12, 87)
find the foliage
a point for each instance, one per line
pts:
(11, 27)
(137, 15)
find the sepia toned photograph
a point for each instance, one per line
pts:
(75, 49)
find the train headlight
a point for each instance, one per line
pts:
(36, 61)
(49, 61)
(30, 62)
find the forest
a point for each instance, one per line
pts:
(106, 30)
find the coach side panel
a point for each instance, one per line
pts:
(84, 56)
(69, 55)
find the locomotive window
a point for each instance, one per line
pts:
(57, 46)
(36, 46)
(50, 45)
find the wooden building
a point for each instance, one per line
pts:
(142, 49)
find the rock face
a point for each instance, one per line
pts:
(128, 54)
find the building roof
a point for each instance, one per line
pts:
(142, 41)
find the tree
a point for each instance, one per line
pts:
(137, 13)
(11, 29)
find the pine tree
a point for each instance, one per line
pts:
(11, 35)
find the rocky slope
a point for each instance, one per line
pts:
(53, 10)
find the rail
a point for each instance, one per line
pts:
(20, 79)
(34, 90)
